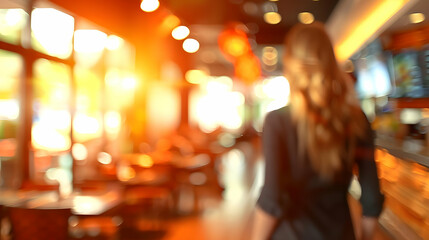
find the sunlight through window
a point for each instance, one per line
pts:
(52, 32)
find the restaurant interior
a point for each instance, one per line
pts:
(141, 119)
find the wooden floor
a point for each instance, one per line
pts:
(228, 217)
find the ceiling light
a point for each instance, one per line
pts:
(306, 17)
(269, 56)
(416, 17)
(149, 5)
(195, 76)
(366, 26)
(180, 32)
(191, 45)
(114, 42)
(272, 17)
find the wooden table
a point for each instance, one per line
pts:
(95, 203)
(11, 197)
(88, 203)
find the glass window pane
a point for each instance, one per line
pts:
(12, 21)
(11, 66)
(87, 123)
(214, 104)
(52, 32)
(51, 105)
(119, 53)
(52, 162)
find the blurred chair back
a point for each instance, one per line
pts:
(37, 224)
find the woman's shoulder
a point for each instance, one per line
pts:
(278, 117)
(280, 113)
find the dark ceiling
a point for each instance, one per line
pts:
(206, 18)
(125, 16)
(250, 12)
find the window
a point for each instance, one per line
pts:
(11, 70)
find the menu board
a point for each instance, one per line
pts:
(371, 71)
(408, 74)
(424, 59)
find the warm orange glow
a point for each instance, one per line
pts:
(416, 17)
(53, 30)
(269, 56)
(114, 42)
(195, 76)
(233, 42)
(145, 161)
(191, 45)
(9, 109)
(272, 93)
(129, 83)
(169, 23)
(219, 85)
(367, 27)
(79, 152)
(87, 204)
(15, 17)
(306, 17)
(149, 5)
(214, 104)
(272, 17)
(180, 32)
(89, 41)
(86, 125)
(112, 123)
(247, 68)
(236, 46)
(64, 179)
(104, 158)
(45, 137)
(125, 173)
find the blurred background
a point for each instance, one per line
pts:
(143, 117)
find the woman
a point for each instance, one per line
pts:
(311, 146)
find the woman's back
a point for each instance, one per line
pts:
(311, 146)
(308, 207)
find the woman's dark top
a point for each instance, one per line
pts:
(307, 206)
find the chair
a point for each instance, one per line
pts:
(147, 204)
(145, 212)
(94, 227)
(36, 224)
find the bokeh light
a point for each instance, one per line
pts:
(79, 151)
(149, 5)
(52, 31)
(195, 76)
(180, 32)
(89, 41)
(114, 42)
(272, 17)
(416, 17)
(191, 45)
(306, 17)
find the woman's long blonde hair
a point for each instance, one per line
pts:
(323, 101)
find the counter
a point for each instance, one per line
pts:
(409, 150)
(404, 176)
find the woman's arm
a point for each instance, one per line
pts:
(368, 225)
(263, 225)
(269, 206)
(371, 199)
